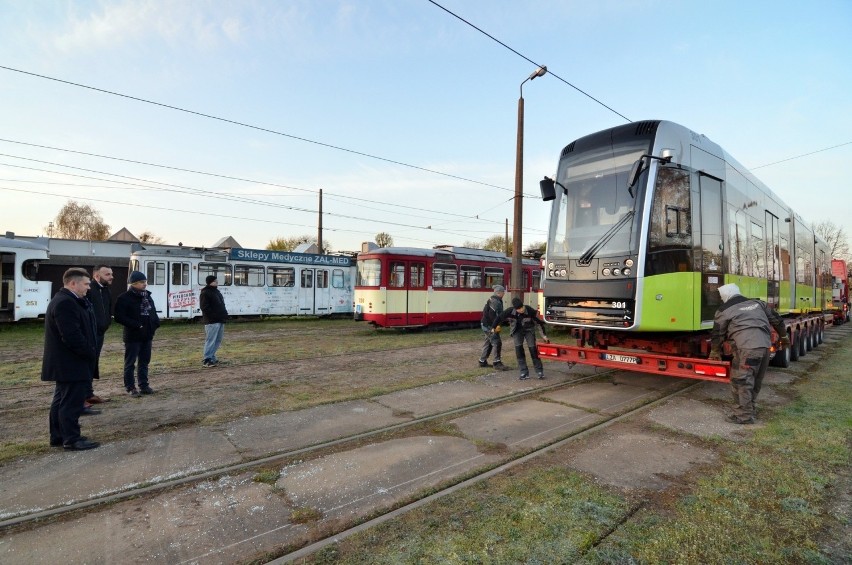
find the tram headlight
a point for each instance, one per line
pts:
(550, 266)
(626, 272)
(563, 272)
(628, 263)
(616, 272)
(606, 272)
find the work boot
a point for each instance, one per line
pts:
(524, 377)
(734, 420)
(484, 363)
(500, 366)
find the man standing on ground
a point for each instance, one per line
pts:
(101, 300)
(524, 319)
(492, 310)
(69, 358)
(746, 323)
(214, 314)
(135, 311)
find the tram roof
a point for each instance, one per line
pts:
(13, 243)
(460, 253)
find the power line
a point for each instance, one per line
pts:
(538, 65)
(802, 155)
(258, 128)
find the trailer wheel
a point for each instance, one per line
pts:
(803, 342)
(794, 346)
(782, 358)
(817, 335)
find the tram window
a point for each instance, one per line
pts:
(396, 277)
(471, 277)
(536, 281)
(337, 279)
(282, 276)
(222, 272)
(156, 272)
(30, 269)
(248, 275)
(322, 278)
(417, 275)
(180, 274)
(444, 275)
(758, 250)
(307, 278)
(134, 265)
(493, 276)
(369, 272)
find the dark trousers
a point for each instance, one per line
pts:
(527, 336)
(747, 370)
(99, 344)
(136, 351)
(65, 411)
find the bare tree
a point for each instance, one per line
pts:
(384, 239)
(80, 221)
(290, 243)
(150, 237)
(538, 248)
(498, 243)
(836, 238)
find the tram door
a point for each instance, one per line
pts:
(406, 294)
(712, 245)
(169, 285)
(314, 292)
(7, 284)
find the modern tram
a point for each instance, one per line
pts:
(649, 219)
(22, 296)
(408, 287)
(254, 282)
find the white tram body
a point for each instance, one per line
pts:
(253, 282)
(410, 287)
(21, 295)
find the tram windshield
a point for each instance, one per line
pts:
(596, 214)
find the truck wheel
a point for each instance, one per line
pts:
(782, 358)
(794, 347)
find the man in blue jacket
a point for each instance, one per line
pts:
(135, 311)
(70, 357)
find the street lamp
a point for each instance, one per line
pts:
(517, 244)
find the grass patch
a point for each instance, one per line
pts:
(305, 515)
(267, 476)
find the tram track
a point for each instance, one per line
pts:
(147, 489)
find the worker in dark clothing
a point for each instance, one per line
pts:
(214, 314)
(492, 310)
(101, 299)
(746, 322)
(523, 320)
(135, 311)
(69, 358)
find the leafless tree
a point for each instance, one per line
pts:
(150, 237)
(290, 243)
(836, 238)
(384, 239)
(80, 221)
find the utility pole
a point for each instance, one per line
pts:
(319, 224)
(507, 237)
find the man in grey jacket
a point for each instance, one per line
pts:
(746, 322)
(492, 310)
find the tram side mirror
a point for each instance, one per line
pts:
(634, 175)
(548, 189)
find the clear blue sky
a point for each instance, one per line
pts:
(404, 81)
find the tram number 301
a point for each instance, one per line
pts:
(619, 304)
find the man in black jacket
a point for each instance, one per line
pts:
(101, 300)
(69, 358)
(523, 320)
(214, 314)
(135, 311)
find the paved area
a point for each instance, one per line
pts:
(248, 514)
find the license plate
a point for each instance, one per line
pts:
(621, 358)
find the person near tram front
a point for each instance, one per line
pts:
(101, 299)
(492, 310)
(523, 321)
(135, 310)
(214, 315)
(746, 323)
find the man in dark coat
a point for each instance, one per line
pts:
(746, 323)
(523, 320)
(70, 344)
(101, 300)
(214, 314)
(492, 310)
(135, 311)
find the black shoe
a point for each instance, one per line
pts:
(484, 364)
(734, 420)
(133, 392)
(146, 390)
(81, 445)
(500, 366)
(58, 442)
(89, 412)
(524, 378)
(209, 364)
(540, 375)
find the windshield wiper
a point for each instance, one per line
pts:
(590, 253)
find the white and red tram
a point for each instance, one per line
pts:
(411, 287)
